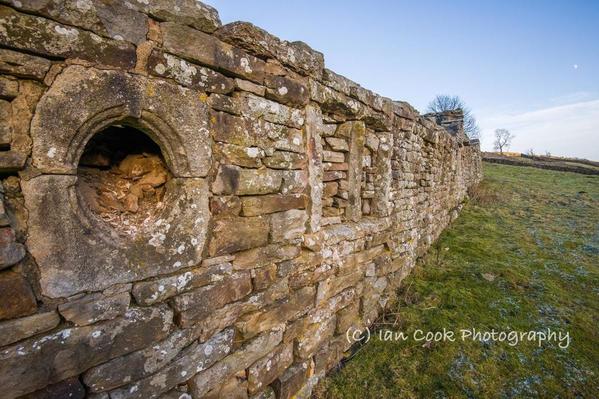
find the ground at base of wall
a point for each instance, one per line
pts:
(524, 255)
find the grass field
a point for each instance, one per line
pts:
(523, 255)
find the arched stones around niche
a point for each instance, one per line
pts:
(76, 247)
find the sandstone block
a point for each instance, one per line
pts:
(37, 362)
(114, 20)
(188, 74)
(23, 65)
(18, 329)
(235, 180)
(208, 50)
(16, 296)
(292, 307)
(297, 55)
(70, 388)
(195, 359)
(95, 307)
(336, 284)
(265, 204)
(226, 205)
(292, 380)
(9, 88)
(48, 38)
(11, 252)
(239, 360)
(288, 225)
(137, 365)
(247, 157)
(187, 12)
(262, 256)
(285, 160)
(287, 91)
(150, 292)
(267, 369)
(234, 234)
(199, 303)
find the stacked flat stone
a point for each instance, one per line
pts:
(299, 201)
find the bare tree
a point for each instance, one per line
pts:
(530, 152)
(503, 139)
(450, 103)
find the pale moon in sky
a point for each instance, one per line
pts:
(575, 66)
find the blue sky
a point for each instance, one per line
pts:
(528, 66)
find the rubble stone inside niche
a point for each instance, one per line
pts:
(122, 179)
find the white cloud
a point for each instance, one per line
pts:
(567, 130)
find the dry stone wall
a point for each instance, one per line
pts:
(197, 210)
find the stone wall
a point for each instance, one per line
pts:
(274, 205)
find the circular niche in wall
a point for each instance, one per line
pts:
(122, 179)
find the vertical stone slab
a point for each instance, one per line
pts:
(353, 212)
(383, 177)
(314, 150)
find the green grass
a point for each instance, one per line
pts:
(535, 234)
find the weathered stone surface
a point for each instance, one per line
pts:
(16, 297)
(285, 160)
(26, 368)
(70, 388)
(294, 378)
(9, 88)
(315, 172)
(150, 292)
(234, 234)
(267, 369)
(187, 12)
(188, 74)
(246, 85)
(137, 365)
(91, 263)
(95, 307)
(48, 38)
(288, 225)
(239, 360)
(235, 387)
(356, 146)
(23, 65)
(259, 257)
(114, 20)
(227, 205)
(292, 307)
(199, 303)
(18, 329)
(208, 50)
(264, 204)
(63, 114)
(247, 157)
(11, 252)
(235, 180)
(314, 336)
(287, 91)
(195, 359)
(297, 55)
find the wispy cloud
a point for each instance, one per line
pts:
(568, 130)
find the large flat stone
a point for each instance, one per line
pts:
(18, 329)
(48, 38)
(76, 253)
(193, 360)
(109, 19)
(38, 362)
(208, 50)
